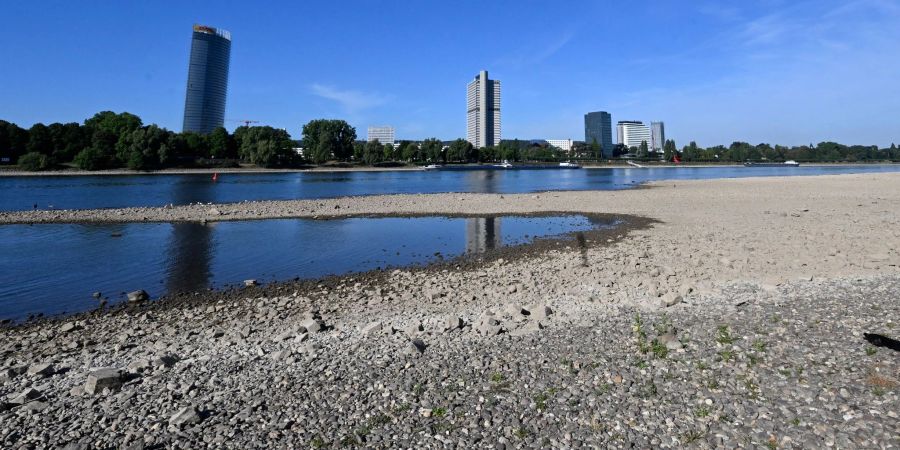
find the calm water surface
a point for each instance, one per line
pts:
(55, 268)
(80, 192)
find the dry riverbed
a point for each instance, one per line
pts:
(732, 315)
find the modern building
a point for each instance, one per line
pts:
(483, 111)
(207, 85)
(657, 136)
(384, 135)
(562, 144)
(632, 133)
(598, 127)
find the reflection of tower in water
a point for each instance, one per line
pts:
(483, 234)
(188, 257)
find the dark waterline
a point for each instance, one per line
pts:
(86, 192)
(51, 269)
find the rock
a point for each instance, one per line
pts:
(165, 361)
(452, 323)
(9, 373)
(185, 416)
(136, 297)
(425, 412)
(36, 406)
(280, 355)
(418, 345)
(413, 329)
(512, 289)
(372, 328)
(488, 325)
(100, 379)
(139, 365)
(671, 299)
(669, 340)
(97, 294)
(43, 369)
(214, 212)
(539, 311)
(25, 396)
(312, 325)
(516, 311)
(528, 328)
(68, 327)
(250, 283)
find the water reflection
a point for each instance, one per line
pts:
(189, 251)
(482, 234)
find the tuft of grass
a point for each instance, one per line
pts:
(701, 411)
(795, 421)
(403, 407)
(871, 350)
(759, 346)
(754, 359)
(723, 335)
(692, 436)
(521, 433)
(702, 365)
(659, 349)
(439, 412)
(540, 401)
(726, 355)
(640, 335)
(497, 377)
(603, 388)
(318, 442)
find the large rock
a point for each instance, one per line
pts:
(100, 379)
(312, 325)
(669, 340)
(671, 299)
(139, 296)
(488, 325)
(372, 328)
(43, 369)
(25, 396)
(539, 311)
(185, 416)
(418, 345)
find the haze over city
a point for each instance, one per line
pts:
(775, 71)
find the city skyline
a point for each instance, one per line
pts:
(835, 79)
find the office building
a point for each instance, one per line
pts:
(207, 85)
(632, 133)
(598, 128)
(384, 135)
(483, 111)
(562, 144)
(657, 136)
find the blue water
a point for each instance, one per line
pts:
(79, 192)
(54, 268)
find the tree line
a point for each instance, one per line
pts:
(114, 140)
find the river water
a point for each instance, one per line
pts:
(55, 268)
(81, 192)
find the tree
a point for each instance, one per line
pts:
(596, 151)
(409, 152)
(39, 140)
(432, 150)
(221, 144)
(388, 152)
(13, 140)
(460, 150)
(34, 161)
(669, 150)
(326, 139)
(266, 146)
(643, 150)
(373, 152)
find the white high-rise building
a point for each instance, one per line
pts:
(483, 111)
(657, 136)
(384, 135)
(632, 133)
(562, 144)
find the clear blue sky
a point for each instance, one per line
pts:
(789, 72)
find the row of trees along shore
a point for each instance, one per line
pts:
(114, 140)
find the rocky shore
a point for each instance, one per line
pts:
(737, 318)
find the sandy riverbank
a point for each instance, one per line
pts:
(772, 283)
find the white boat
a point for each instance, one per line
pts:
(432, 167)
(504, 165)
(569, 164)
(788, 163)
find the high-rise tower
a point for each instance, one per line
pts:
(598, 128)
(207, 86)
(483, 111)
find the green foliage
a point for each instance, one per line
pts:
(265, 146)
(432, 149)
(325, 139)
(91, 159)
(221, 144)
(461, 150)
(373, 152)
(723, 335)
(34, 161)
(643, 151)
(145, 148)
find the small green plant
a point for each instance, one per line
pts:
(712, 383)
(878, 391)
(318, 442)
(664, 325)
(754, 359)
(701, 411)
(871, 350)
(640, 335)
(403, 407)
(439, 412)
(540, 401)
(795, 421)
(726, 355)
(692, 436)
(723, 335)
(521, 433)
(497, 377)
(659, 349)
(418, 389)
(379, 420)
(642, 364)
(759, 346)
(603, 388)
(349, 441)
(775, 318)
(702, 366)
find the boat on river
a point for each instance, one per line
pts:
(569, 165)
(789, 163)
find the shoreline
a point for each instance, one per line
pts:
(257, 170)
(736, 319)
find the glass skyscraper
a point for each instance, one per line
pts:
(483, 111)
(207, 86)
(598, 127)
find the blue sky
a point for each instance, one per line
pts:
(788, 72)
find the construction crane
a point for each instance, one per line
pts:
(246, 122)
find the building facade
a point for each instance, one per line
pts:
(384, 135)
(562, 144)
(657, 136)
(632, 133)
(598, 128)
(483, 111)
(207, 85)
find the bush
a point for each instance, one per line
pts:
(34, 162)
(91, 159)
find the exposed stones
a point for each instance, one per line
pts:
(669, 340)
(185, 416)
(372, 328)
(102, 379)
(250, 283)
(25, 396)
(312, 325)
(418, 345)
(42, 369)
(139, 296)
(68, 327)
(670, 299)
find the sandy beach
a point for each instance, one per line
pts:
(727, 313)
